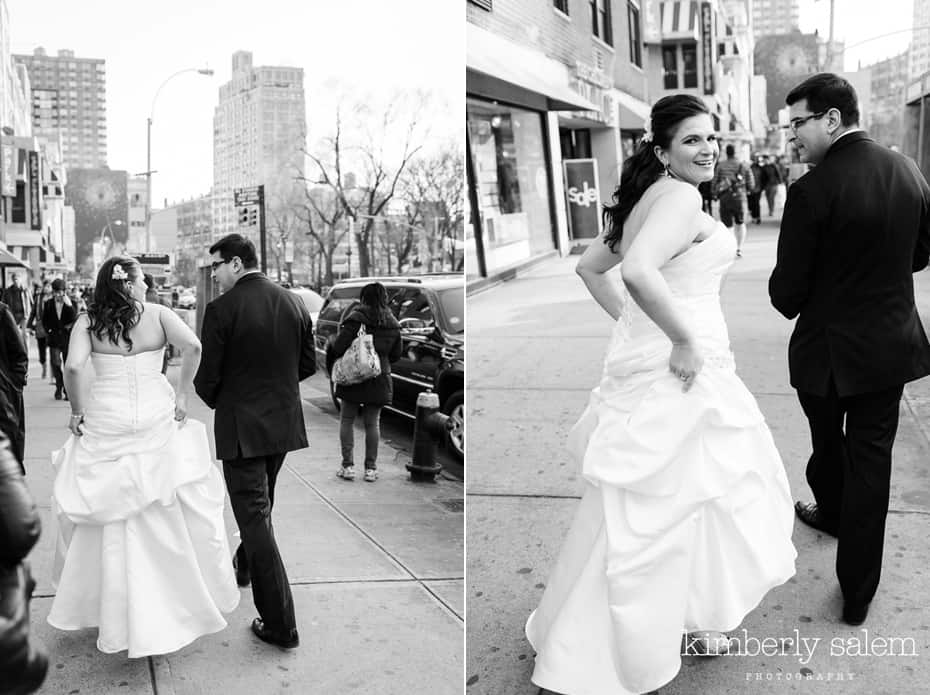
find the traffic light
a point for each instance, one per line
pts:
(248, 216)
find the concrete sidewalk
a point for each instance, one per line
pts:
(376, 571)
(536, 346)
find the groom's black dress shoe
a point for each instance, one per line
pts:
(287, 640)
(810, 515)
(855, 614)
(242, 578)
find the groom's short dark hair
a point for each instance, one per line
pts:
(236, 245)
(825, 91)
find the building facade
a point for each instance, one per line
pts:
(919, 57)
(775, 17)
(69, 96)
(194, 237)
(259, 137)
(888, 82)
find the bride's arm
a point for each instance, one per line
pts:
(592, 268)
(180, 335)
(79, 348)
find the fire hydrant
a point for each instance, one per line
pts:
(430, 425)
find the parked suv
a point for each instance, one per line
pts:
(431, 313)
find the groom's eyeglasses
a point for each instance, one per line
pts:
(217, 264)
(796, 123)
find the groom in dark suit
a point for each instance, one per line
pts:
(854, 229)
(257, 345)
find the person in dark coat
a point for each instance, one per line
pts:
(372, 312)
(854, 229)
(19, 301)
(257, 346)
(40, 296)
(14, 365)
(58, 316)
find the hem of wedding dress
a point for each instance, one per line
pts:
(549, 682)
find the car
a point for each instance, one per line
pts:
(187, 300)
(312, 300)
(431, 312)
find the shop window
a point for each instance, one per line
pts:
(576, 144)
(689, 64)
(561, 5)
(636, 48)
(483, 4)
(670, 66)
(18, 209)
(601, 21)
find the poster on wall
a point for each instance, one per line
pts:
(101, 214)
(582, 198)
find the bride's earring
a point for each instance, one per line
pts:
(666, 170)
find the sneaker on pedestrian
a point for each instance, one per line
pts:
(371, 475)
(346, 473)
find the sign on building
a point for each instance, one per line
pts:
(582, 198)
(35, 192)
(707, 47)
(8, 170)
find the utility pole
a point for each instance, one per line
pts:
(261, 227)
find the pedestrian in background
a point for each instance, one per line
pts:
(370, 396)
(732, 180)
(18, 299)
(854, 229)
(754, 194)
(771, 180)
(14, 365)
(58, 316)
(41, 296)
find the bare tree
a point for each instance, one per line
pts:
(364, 157)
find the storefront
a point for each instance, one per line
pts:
(515, 208)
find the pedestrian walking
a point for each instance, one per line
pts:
(142, 550)
(58, 317)
(754, 194)
(371, 395)
(686, 516)
(257, 347)
(854, 229)
(14, 365)
(34, 323)
(19, 300)
(732, 180)
(771, 180)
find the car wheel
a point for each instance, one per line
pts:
(332, 394)
(454, 407)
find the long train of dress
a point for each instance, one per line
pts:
(142, 551)
(686, 518)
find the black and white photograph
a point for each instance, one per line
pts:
(696, 387)
(232, 404)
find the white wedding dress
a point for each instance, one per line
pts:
(686, 518)
(142, 551)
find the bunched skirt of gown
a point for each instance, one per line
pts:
(141, 549)
(685, 524)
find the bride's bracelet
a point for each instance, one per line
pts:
(77, 416)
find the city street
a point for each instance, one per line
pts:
(376, 571)
(536, 345)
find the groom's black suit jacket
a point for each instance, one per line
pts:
(853, 231)
(257, 345)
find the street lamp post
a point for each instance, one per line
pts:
(148, 154)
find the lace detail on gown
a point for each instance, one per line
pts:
(142, 551)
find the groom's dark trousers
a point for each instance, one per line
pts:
(854, 229)
(257, 346)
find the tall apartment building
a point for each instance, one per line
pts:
(259, 133)
(888, 87)
(69, 95)
(771, 17)
(919, 59)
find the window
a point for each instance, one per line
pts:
(483, 4)
(670, 66)
(636, 50)
(600, 21)
(689, 64)
(561, 5)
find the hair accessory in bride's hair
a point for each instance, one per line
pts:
(647, 130)
(119, 273)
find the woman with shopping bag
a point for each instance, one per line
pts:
(369, 321)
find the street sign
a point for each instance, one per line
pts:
(247, 196)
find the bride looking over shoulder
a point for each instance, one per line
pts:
(142, 551)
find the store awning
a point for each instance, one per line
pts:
(633, 111)
(495, 56)
(680, 19)
(7, 258)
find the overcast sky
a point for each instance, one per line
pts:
(858, 21)
(373, 45)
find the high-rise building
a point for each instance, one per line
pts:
(775, 17)
(259, 134)
(69, 95)
(919, 58)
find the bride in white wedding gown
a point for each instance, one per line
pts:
(142, 551)
(686, 518)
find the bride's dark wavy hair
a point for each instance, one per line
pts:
(113, 310)
(643, 167)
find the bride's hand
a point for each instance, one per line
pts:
(180, 407)
(74, 424)
(685, 363)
